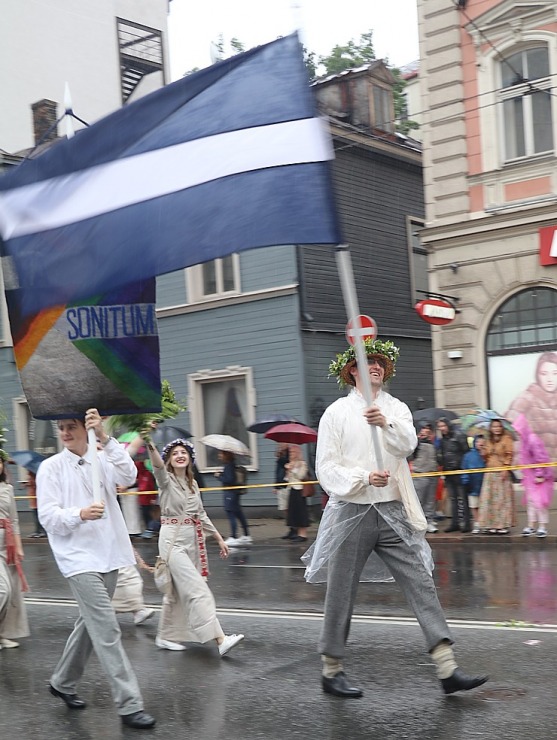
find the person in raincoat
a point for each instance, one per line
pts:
(472, 482)
(373, 510)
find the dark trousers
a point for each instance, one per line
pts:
(235, 515)
(457, 492)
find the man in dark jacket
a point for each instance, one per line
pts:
(452, 447)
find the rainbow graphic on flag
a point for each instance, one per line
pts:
(102, 353)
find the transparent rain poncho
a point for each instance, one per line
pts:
(345, 456)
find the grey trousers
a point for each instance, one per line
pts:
(345, 567)
(426, 488)
(97, 629)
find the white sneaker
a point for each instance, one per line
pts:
(476, 530)
(527, 531)
(246, 539)
(540, 533)
(4, 642)
(232, 542)
(228, 643)
(431, 528)
(168, 645)
(142, 615)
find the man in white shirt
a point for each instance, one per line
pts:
(373, 510)
(90, 543)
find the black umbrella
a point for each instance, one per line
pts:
(433, 415)
(271, 420)
(164, 434)
(27, 459)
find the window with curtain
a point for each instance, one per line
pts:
(526, 100)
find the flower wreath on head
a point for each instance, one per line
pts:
(373, 347)
(175, 443)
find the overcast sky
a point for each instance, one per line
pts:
(193, 24)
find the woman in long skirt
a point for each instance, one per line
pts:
(298, 516)
(497, 496)
(13, 617)
(189, 611)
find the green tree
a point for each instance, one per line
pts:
(356, 54)
(350, 55)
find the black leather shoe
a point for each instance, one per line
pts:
(338, 686)
(138, 720)
(298, 538)
(452, 529)
(459, 681)
(466, 529)
(288, 536)
(71, 700)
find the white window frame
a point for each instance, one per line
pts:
(196, 381)
(521, 91)
(194, 281)
(5, 331)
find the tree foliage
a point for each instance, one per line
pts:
(350, 55)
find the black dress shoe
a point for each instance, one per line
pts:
(138, 720)
(288, 536)
(338, 686)
(467, 529)
(298, 538)
(72, 700)
(459, 681)
(452, 529)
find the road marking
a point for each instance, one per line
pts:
(318, 616)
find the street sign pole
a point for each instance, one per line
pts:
(346, 274)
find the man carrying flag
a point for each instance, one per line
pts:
(90, 542)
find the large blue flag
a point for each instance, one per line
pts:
(227, 159)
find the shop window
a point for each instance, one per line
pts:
(526, 99)
(526, 322)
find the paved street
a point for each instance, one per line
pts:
(501, 599)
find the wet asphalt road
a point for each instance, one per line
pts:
(501, 601)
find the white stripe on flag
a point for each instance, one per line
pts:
(104, 188)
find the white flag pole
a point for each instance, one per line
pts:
(348, 284)
(95, 467)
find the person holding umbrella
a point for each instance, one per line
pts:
(232, 500)
(298, 517)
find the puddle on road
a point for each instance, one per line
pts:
(503, 694)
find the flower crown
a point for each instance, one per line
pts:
(175, 442)
(372, 347)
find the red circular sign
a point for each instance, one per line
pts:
(436, 311)
(362, 327)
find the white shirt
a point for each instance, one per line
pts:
(345, 456)
(64, 487)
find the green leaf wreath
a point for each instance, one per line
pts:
(372, 347)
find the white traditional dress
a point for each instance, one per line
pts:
(189, 611)
(13, 616)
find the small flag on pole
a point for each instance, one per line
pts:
(227, 159)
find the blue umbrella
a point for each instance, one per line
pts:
(27, 459)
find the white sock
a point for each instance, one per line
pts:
(331, 666)
(444, 660)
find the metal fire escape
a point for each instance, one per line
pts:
(140, 54)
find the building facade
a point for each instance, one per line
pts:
(487, 74)
(253, 333)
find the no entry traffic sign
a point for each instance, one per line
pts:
(362, 327)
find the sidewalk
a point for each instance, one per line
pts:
(266, 528)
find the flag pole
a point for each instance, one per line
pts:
(346, 274)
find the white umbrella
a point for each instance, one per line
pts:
(225, 443)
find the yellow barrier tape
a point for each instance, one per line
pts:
(433, 474)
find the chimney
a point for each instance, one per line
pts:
(44, 120)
